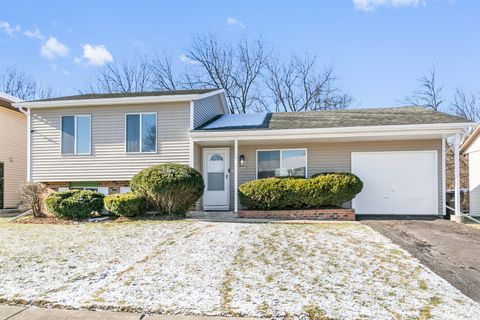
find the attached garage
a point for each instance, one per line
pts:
(399, 182)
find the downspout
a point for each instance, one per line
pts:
(27, 113)
(235, 180)
(456, 170)
(29, 142)
(444, 177)
(191, 161)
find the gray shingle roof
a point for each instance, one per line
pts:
(342, 118)
(128, 94)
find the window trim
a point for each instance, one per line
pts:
(140, 114)
(281, 158)
(84, 188)
(75, 153)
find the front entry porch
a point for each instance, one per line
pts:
(250, 159)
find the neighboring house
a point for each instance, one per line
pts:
(100, 141)
(13, 151)
(471, 146)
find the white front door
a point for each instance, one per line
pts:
(400, 182)
(216, 177)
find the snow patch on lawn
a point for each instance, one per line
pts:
(346, 271)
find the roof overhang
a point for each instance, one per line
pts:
(6, 101)
(417, 131)
(6, 97)
(115, 101)
(471, 139)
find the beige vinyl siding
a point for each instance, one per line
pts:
(332, 156)
(474, 177)
(13, 153)
(205, 109)
(108, 161)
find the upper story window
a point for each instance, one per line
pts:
(76, 134)
(141, 132)
(281, 163)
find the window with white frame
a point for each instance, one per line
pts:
(87, 185)
(141, 132)
(281, 163)
(76, 134)
(84, 188)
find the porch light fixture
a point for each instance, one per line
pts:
(242, 160)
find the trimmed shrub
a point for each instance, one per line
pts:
(74, 204)
(322, 190)
(127, 204)
(330, 189)
(269, 193)
(172, 188)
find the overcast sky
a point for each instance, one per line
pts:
(378, 47)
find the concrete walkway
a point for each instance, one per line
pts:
(34, 313)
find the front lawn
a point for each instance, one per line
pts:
(343, 270)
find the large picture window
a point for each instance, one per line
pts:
(141, 132)
(76, 134)
(281, 163)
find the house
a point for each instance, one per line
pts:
(471, 147)
(13, 151)
(100, 141)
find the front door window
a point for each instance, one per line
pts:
(216, 170)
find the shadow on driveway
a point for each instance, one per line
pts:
(450, 249)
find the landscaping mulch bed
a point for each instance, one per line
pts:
(55, 220)
(45, 220)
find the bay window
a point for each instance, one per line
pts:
(281, 163)
(141, 132)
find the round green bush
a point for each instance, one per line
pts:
(172, 188)
(269, 193)
(319, 191)
(330, 189)
(74, 204)
(127, 204)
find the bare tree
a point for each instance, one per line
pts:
(16, 83)
(429, 94)
(233, 68)
(122, 77)
(162, 72)
(252, 80)
(467, 106)
(298, 86)
(31, 197)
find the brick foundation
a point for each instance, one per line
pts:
(113, 186)
(53, 186)
(314, 214)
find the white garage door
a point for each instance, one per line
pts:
(403, 182)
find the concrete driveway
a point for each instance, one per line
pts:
(450, 249)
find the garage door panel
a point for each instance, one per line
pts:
(394, 205)
(403, 182)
